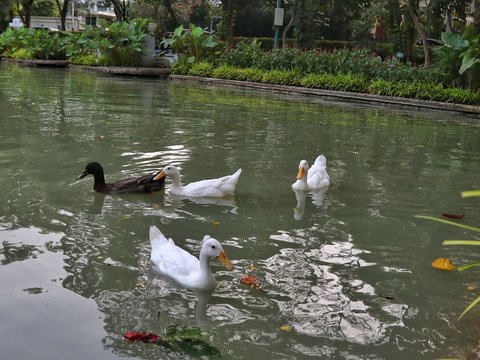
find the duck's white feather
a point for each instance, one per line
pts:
(312, 178)
(220, 187)
(181, 267)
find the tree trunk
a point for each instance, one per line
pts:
(27, 12)
(289, 25)
(63, 10)
(120, 9)
(230, 24)
(426, 51)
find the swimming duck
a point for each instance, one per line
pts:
(183, 268)
(224, 186)
(144, 183)
(312, 178)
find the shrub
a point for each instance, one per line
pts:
(280, 77)
(226, 72)
(181, 68)
(203, 69)
(250, 74)
(339, 82)
(79, 59)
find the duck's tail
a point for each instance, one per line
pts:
(157, 238)
(320, 161)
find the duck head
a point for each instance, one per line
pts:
(302, 169)
(213, 249)
(93, 168)
(169, 170)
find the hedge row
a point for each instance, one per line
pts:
(339, 82)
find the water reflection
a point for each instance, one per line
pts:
(317, 197)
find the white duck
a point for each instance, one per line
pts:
(312, 178)
(224, 186)
(181, 267)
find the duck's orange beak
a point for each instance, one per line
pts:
(300, 175)
(223, 258)
(161, 175)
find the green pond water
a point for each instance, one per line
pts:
(349, 269)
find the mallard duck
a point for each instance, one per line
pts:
(144, 183)
(224, 186)
(181, 267)
(312, 178)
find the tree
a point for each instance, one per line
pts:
(120, 8)
(24, 9)
(412, 7)
(63, 10)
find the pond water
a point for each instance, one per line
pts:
(349, 270)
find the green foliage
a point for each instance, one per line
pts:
(189, 340)
(339, 82)
(194, 43)
(203, 69)
(21, 54)
(84, 59)
(116, 44)
(226, 72)
(45, 8)
(181, 67)
(359, 62)
(281, 77)
(250, 74)
(460, 58)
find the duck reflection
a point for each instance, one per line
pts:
(301, 196)
(229, 201)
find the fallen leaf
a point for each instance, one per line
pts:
(250, 280)
(471, 288)
(141, 336)
(453, 216)
(215, 223)
(443, 264)
(287, 328)
(253, 267)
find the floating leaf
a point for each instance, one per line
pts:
(470, 193)
(461, 242)
(141, 336)
(251, 280)
(469, 307)
(471, 288)
(215, 222)
(448, 222)
(253, 267)
(453, 216)
(468, 266)
(443, 264)
(287, 328)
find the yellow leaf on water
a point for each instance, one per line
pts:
(287, 328)
(443, 264)
(471, 287)
(215, 223)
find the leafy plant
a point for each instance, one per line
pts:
(461, 242)
(464, 48)
(194, 43)
(203, 69)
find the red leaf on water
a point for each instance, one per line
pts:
(453, 216)
(250, 280)
(141, 336)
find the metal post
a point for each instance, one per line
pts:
(277, 23)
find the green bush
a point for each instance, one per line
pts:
(226, 72)
(203, 69)
(88, 59)
(21, 54)
(250, 74)
(339, 82)
(280, 77)
(181, 67)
